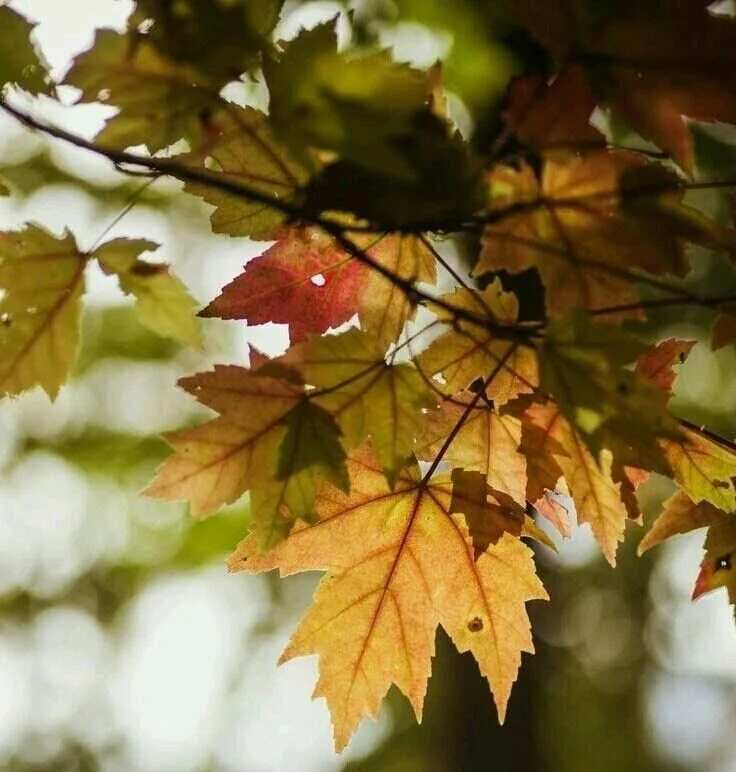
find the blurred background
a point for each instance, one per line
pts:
(124, 643)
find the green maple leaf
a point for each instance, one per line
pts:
(221, 38)
(244, 150)
(19, 62)
(582, 365)
(160, 101)
(359, 107)
(366, 396)
(162, 301)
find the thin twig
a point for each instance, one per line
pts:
(217, 180)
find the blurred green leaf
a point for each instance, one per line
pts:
(221, 38)
(19, 62)
(212, 539)
(159, 101)
(118, 332)
(478, 64)
(362, 108)
(163, 303)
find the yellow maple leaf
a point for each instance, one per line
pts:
(596, 495)
(487, 442)
(471, 349)
(383, 307)
(680, 514)
(398, 564)
(42, 278)
(703, 468)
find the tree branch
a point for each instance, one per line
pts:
(216, 180)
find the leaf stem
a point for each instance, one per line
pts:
(464, 417)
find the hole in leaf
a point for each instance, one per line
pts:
(476, 386)
(475, 625)
(723, 563)
(318, 280)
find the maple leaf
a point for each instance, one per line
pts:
(383, 307)
(267, 439)
(489, 513)
(365, 395)
(488, 519)
(360, 108)
(280, 286)
(19, 62)
(159, 101)
(543, 472)
(472, 349)
(717, 567)
(306, 280)
(445, 183)
(703, 468)
(575, 231)
(582, 367)
(596, 495)
(680, 514)
(42, 277)
(221, 38)
(653, 68)
(658, 362)
(554, 512)
(654, 191)
(399, 563)
(162, 301)
(487, 442)
(553, 118)
(241, 147)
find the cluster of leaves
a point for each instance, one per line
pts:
(407, 454)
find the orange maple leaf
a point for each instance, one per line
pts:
(597, 496)
(572, 227)
(398, 564)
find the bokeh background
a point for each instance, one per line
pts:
(124, 643)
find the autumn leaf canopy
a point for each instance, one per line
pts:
(471, 369)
